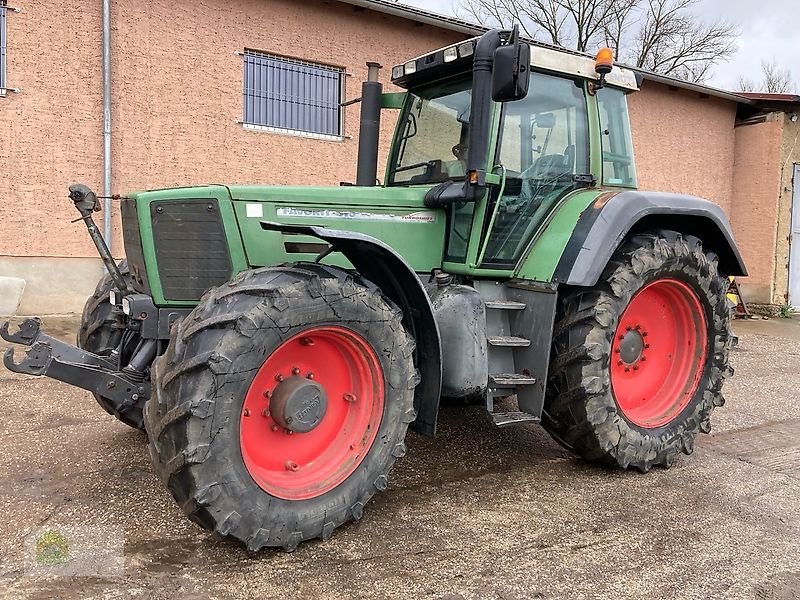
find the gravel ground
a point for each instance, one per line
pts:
(479, 512)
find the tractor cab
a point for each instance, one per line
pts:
(567, 128)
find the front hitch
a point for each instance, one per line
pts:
(53, 358)
(86, 202)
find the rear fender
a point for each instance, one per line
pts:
(603, 226)
(381, 265)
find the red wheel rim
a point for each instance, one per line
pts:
(658, 353)
(336, 364)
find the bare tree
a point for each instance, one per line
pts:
(664, 36)
(774, 80)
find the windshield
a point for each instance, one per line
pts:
(432, 144)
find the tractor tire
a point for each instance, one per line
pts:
(101, 332)
(638, 361)
(281, 403)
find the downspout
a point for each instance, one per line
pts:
(107, 233)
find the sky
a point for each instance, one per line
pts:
(770, 29)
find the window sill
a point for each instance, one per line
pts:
(293, 132)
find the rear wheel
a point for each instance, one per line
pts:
(102, 332)
(281, 404)
(639, 361)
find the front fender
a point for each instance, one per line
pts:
(603, 226)
(381, 265)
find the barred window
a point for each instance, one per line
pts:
(2, 46)
(293, 96)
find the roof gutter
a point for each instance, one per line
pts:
(687, 85)
(420, 16)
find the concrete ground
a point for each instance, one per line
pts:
(477, 513)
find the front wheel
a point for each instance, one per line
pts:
(281, 403)
(639, 361)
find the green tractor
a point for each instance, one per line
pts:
(276, 343)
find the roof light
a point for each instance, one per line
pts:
(465, 49)
(410, 67)
(450, 54)
(398, 72)
(604, 61)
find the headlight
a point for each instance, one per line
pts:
(126, 306)
(450, 54)
(410, 67)
(465, 49)
(397, 72)
(112, 297)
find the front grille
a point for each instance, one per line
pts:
(191, 247)
(133, 246)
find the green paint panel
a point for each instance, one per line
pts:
(541, 259)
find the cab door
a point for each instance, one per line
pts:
(543, 154)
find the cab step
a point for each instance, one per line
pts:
(511, 379)
(503, 419)
(508, 341)
(505, 304)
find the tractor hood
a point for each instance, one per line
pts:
(181, 241)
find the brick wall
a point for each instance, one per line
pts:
(684, 142)
(754, 211)
(51, 133)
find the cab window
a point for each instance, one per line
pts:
(618, 166)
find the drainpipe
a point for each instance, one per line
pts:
(107, 122)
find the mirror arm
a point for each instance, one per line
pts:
(481, 112)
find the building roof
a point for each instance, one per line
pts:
(767, 97)
(427, 17)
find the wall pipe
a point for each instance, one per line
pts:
(107, 233)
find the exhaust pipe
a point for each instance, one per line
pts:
(370, 126)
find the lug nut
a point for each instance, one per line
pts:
(291, 466)
(638, 327)
(644, 333)
(306, 341)
(246, 412)
(348, 397)
(644, 358)
(310, 376)
(617, 350)
(274, 427)
(265, 412)
(628, 328)
(622, 337)
(267, 394)
(620, 363)
(627, 369)
(635, 368)
(278, 377)
(647, 345)
(295, 371)
(289, 432)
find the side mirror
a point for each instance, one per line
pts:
(511, 73)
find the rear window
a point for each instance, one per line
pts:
(618, 165)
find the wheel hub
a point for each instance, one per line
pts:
(298, 404)
(631, 347)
